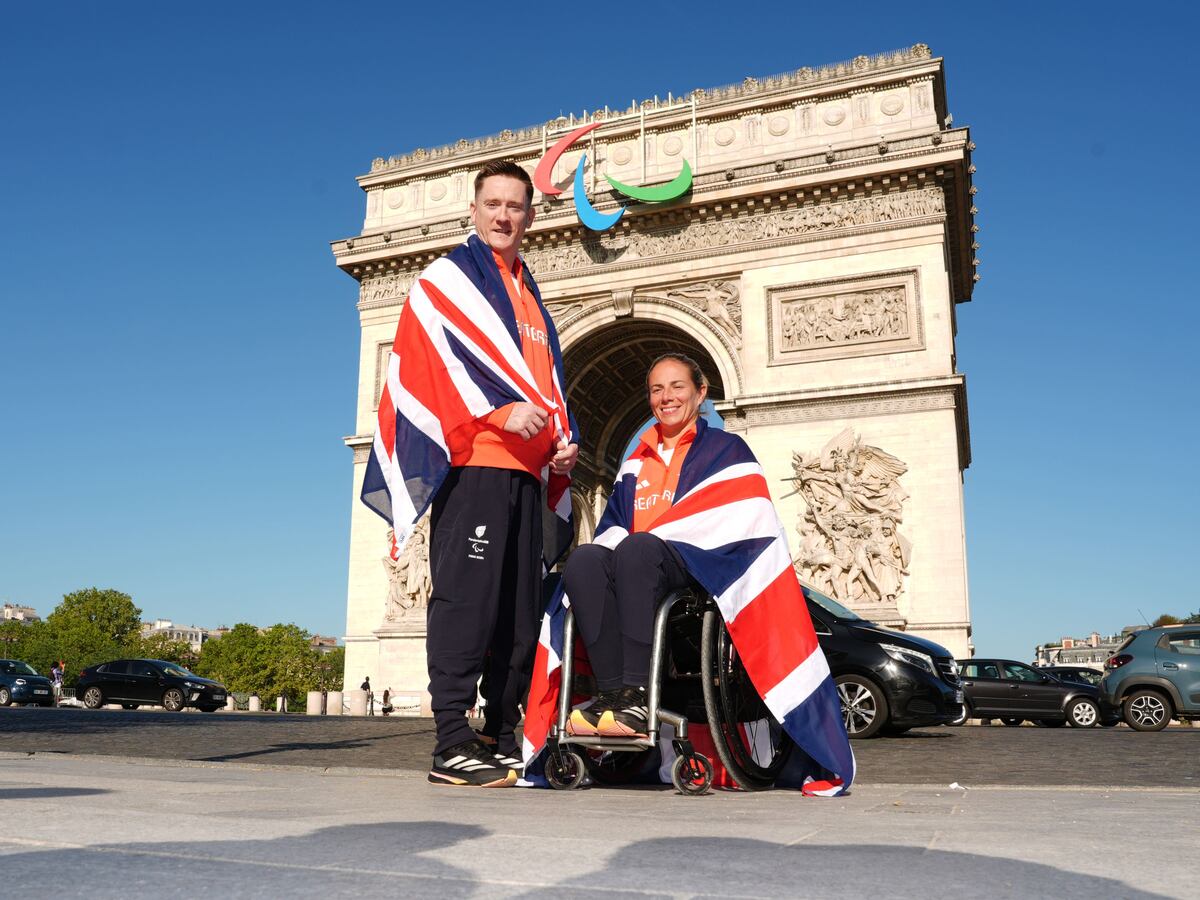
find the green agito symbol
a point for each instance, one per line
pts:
(588, 214)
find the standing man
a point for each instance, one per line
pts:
(473, 422)
(366, 686)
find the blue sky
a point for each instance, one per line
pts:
(178, 351)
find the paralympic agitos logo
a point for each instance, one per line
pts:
(589, 216)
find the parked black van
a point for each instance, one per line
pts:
(887, 681)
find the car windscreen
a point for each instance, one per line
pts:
(177, 672)
(830, 606)
(16, 667)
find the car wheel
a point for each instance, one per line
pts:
(172, 699)
(1083, 713)
(1013, 723)
(93, 698)
(5, 696)
(1052, 723)
(864, 710)
(962, 717)
(1146, 710)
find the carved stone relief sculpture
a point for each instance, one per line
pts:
(850, 546)
(385, 287)
(837, 318)
(410, 582)
(846, 318)
(720, 301)
(668, 241)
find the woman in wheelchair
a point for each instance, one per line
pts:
(614, 591)
(690, 508)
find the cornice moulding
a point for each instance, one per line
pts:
(905, 66)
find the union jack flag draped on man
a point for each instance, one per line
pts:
(457, 357)
(725, 528)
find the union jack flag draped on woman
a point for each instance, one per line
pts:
(725, 529)
(456, 358)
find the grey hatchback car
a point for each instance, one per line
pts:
(1154, 677)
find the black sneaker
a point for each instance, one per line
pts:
(470, 763)
(505, 759)
(628, 717)
(585, 722)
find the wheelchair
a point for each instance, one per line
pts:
(696, 675)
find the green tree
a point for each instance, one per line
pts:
(89, 626)
(330, 669)
(1193, 619)
(11, 634)
(274, 661)
(1165, 619)
(234, 659)
(159, 646)
(34, 644)
(111, 613)
(291, 662)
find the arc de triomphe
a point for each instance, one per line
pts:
(813, 269)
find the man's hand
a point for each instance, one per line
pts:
(566, 457)
(526, 419)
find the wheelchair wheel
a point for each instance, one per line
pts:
(565, 770)
(692, 775)
(737, 716)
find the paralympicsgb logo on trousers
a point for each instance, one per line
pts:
(589, 216)
(478, 546)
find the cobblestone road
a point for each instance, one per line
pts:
(971, 756)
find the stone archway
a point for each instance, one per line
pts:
(606, 370)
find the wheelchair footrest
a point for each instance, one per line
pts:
(608, 743)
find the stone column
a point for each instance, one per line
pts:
(357, 701)
(333, 703)
(313, 705)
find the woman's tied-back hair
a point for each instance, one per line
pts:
(690, 364)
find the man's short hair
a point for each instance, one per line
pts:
(509, 168)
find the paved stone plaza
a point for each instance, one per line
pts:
(99, 828)
(1062, 813)
(938, 756)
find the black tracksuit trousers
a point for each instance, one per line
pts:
(614, 595)
(486, 563)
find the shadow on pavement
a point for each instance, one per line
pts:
(408, 859)
(713, 867)
(377, 860)
(349, 744)
(45, 793)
